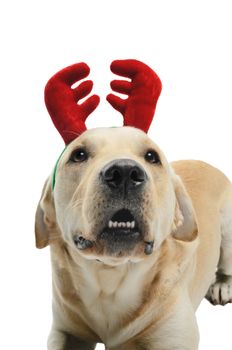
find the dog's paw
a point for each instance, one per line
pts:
(220, 292)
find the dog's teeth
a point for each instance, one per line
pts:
(121, 224)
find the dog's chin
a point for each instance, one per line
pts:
(113, 257)
(116, 244)
(113, 253)
(114, 261)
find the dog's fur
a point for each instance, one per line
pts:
(127, 299)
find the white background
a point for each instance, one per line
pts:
(188, 43)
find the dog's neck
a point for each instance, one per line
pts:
(95, 281)
(93, 288)
(110, 278)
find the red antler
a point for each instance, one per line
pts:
(61, 100)
(143, 90)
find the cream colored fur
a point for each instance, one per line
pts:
(135, 301)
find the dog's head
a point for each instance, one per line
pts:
(116, 198)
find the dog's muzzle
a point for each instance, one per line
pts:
(123, 180)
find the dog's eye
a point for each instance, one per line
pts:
(152, 157)
(79, 155)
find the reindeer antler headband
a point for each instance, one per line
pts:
(138, 109)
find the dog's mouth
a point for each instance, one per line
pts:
(121, 233)
(121, 226)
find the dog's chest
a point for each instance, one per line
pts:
(110, 295)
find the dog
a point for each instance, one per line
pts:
(135, 243)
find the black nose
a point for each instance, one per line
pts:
(123, 174)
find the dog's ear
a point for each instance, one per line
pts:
(184, 225)
(45, 218)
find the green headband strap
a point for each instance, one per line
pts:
(55, 169)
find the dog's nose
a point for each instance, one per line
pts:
(123, 174)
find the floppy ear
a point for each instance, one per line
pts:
(184, 225)
(45, 218)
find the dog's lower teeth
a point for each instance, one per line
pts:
(121, 224)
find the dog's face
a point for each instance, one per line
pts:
(116, 198)
(114, 195)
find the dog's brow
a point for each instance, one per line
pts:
(85, 144)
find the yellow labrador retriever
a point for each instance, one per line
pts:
(135, 243)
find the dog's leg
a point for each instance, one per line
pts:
(58, 340)
(220, 291)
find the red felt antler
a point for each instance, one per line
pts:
(143, 90)
(61, 100)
